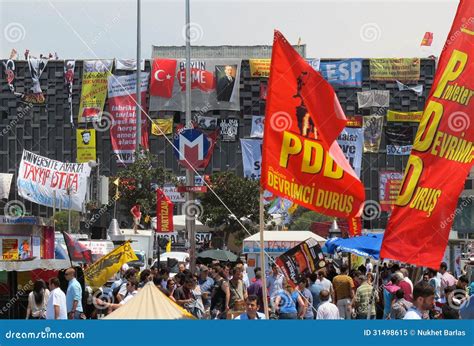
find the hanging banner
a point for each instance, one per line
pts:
(351, 142)
(122, 107)
(37, 66)
(229, 129)
(263, 91)
(355, 121)
(343, 73)
(315, 63)
(441, 158)
(194, 147)
(373, 125)
(391, 69)
(410, 117)
(251, 157)
(302, 161)
(40, 178)
(85, 143)
(418, 89)
(214, 85)
(162, 127)
(256, 130)
(355, 226)
(399, 140)
(164, 212)
(5, 184)
(300, 261)
(9, 66)
(94, 89)
(259, 68)
(389, 185)
(77, 252)
(69, 66)
(129, 64)
(373, 98)
(427, 39)
(207, 123)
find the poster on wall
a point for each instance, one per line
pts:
(256, 130)
(389, 184)
(351, 141)
(214, 84)
(15, 248)
(343, 73)
(85, 144)
(5, 184)
(229, 129)
(251, 157)
(373, 125)
(392, 69)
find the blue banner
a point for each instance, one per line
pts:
(345, 73)
(251, 157)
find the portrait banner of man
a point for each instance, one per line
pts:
(85, 143)
(225, 76)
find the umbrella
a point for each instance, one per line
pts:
(366, 245)
(218, 254)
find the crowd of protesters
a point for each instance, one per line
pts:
(224, 291)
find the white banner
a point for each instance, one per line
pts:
(373, 98)
(351, 141)
(40, 178)
(256, 130)
(129, 64)
(5, 183)
(251, 157)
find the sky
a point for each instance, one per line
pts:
(330, 29)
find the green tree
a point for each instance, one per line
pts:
(61, 219)
(240, 195)
(137, 179)
(303, 219)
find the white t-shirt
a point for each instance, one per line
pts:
(413, 314)
(56, 297)
(328, 311)
(128, 297)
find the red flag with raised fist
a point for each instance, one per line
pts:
(164, 212)
(441, 157)
(301, 158)
(163, 72)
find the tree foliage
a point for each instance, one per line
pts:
(61, 219)
(303, 219)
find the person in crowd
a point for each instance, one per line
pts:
(165, 275)
(398, 279)
(389, 289)
(181, 268)
(285, 303)
(331, 272)
(423, 301)
(368, 265)
(319, 282)
(256, 289)
(303, 292)
(400, 306)
(171, 287)
(238, 291)
(435, 282)
(136, 215)
(354, 275)
(145, 277)
(122, 290)
(343, 292)
(450, 310)
(274, 281)
(220, 296)
(326, 309)
(73, 296)
(255, 271)
(228, 271)
(406, 278)
(370, 278)
(426, 277)
(56, 308)
(447, 279)
(37, 300)
(363, 302)
(252, 311)
(132, 286)
(205, 283)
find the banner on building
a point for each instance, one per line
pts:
(69, 66)
(263, 91)
(389, 185)
(15, 248)
(122, 107)
(98, 273)
(9, 66)
(355, 121)
(41, 179)
(259, 68)
(373, 125)
(258, 123)
(86, 145)
(391, 69)
(5, 184)
(343, 73)
(194, 148)
(229, 129)
(355, 226)
(162, 127)
(207, 123)
(315, 63)
(129, 64)
(214, 84)
(410, 117)
(441, 158)
(302, 161)
(164, 212)
(417, 89)
(298, 262)
(94, 89)
(373, 98)
(37, 66)
(251, 157)
(351, 141)
(399, 139)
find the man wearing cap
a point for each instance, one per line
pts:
(206, 284)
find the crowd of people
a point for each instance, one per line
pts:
(224, 291)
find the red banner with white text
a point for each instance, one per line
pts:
(164, 212)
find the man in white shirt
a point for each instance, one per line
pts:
(274, 281)
(446, 279)
(406, 278)
(327, 310)
(369, 266)
(423, 301)
(132, 286)
(56, 307)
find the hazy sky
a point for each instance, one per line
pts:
(331, 29)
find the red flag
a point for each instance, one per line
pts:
(427, 39)
(301, 158)
(164, 212)
(200, 79)
(77, 251)
(441, 158)
(355, 226)
(162, 77)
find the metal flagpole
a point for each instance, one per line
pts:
(138, 112)
(190, 219)
(375, 288)
(262, 255)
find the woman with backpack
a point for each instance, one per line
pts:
(37, 300)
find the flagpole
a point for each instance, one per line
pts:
(375, 288)
(262, 255)
(138, 112)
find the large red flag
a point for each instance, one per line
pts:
(441, 157)
(77, 251)
(164, 212)
(301, 158)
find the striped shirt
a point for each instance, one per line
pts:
(362, 299)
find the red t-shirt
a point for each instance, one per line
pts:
(136, 211)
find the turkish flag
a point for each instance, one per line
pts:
(163, 72)
(301, 158)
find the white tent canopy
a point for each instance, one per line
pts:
(179, 223)
(286, 236)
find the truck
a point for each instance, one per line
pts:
(142, 243)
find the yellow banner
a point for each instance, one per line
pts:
(260, 67)
(166, 126)
(85, 144)
(97, 274)
(403, 70)
(411, 117)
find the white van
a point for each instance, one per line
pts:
(181, 257)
